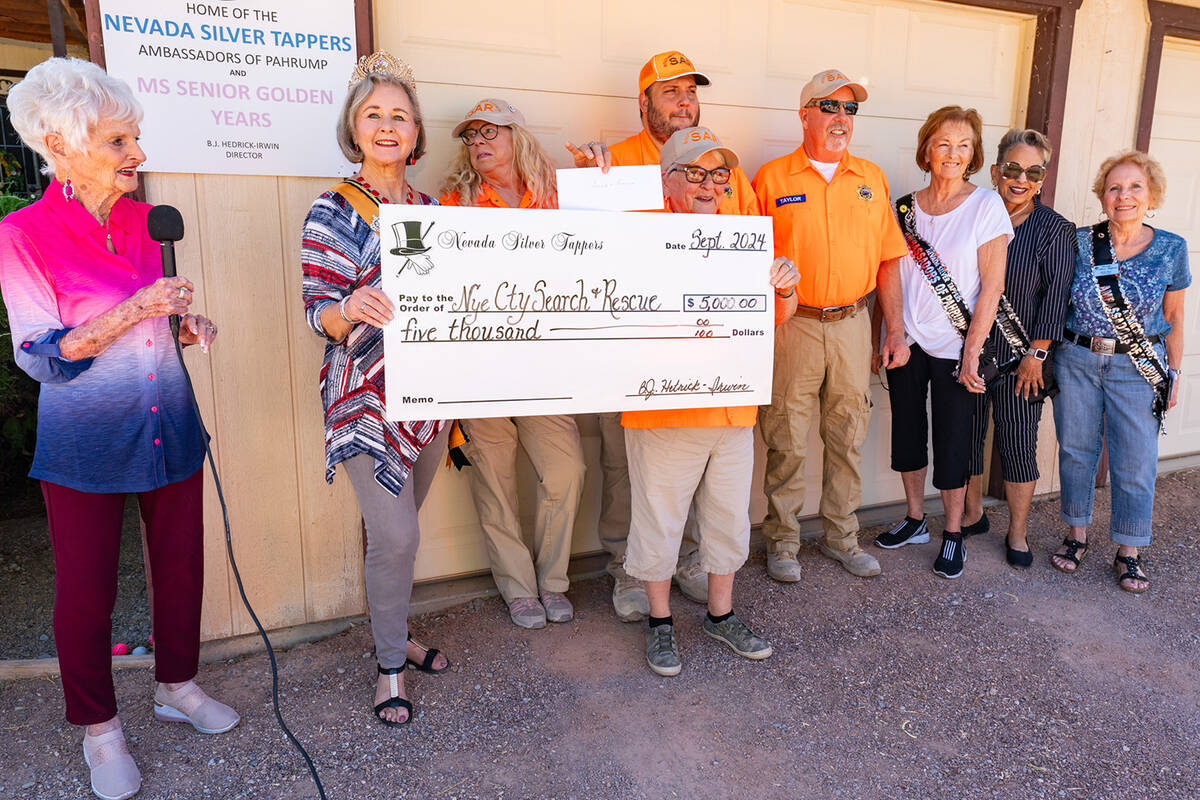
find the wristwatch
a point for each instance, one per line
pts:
(1039, 353)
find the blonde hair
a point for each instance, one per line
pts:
(356, 95)
(70, 97)
(939, 118)
(1143, 161)
(533, 166)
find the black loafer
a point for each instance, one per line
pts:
(978, 527)
(1021, 559)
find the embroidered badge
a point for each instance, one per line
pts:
(791, 198)
(865, 192)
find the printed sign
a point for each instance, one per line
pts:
(250, 87)
(520, 312)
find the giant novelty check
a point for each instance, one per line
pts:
(503, 312)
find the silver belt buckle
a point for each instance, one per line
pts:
(1103, 347)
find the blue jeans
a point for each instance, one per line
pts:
(1105, 395)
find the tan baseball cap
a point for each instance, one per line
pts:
(668, 66)
(825, 83)
(491, 109)
(687, 145)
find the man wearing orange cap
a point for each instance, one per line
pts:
(667, 102)
(832, 216)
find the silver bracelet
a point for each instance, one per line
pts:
(342, 309)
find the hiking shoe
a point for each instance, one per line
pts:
(783, 567)
(949, 563)
(662, 651)
(977, 527)
(527, 612)
(906, 531)
(691, 578)
(741, 640)
(629, 597)
(558, 607)
(857, 561)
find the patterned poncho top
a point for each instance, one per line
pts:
(340, 252)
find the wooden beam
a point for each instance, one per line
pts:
(72, 20)
(95, 33)
(58, 34)
(364, 24)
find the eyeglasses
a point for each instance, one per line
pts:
(1012, 170)
(719, 175)
(831, 106)
(488, 132)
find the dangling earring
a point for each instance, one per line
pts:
(1149, 215)
(354, 147)
(412, 159)
(68, 190)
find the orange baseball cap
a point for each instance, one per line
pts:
(825, 83)
(493, 110)
(667, 66)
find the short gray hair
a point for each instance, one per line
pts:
(70, 97)
(1029, 136)
(356, 95)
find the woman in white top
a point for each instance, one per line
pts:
(967, 229)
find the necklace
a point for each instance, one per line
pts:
(1014, 214)
(408, 191)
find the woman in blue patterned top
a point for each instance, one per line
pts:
(1118, 366)
(390, 465)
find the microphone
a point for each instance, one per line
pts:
(165, 225)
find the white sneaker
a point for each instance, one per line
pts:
(629, 597)
(691, 578)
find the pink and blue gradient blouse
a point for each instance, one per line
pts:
(121, 421)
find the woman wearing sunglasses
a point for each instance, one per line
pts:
(1037, 279)
(501, 165)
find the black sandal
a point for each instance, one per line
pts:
(431, 654)
(1076, 550)
(1133, 572)
(395, 701)
(1022, 559)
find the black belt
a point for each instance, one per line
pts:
(832, 313)
(1100, 346)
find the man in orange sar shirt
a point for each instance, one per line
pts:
(832, 216)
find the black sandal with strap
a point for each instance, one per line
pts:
(395, 701)
(1133, 572)
(1076, 550)
(431, 654)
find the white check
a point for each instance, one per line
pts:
(503, 312)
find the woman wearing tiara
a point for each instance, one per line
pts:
(390, 464)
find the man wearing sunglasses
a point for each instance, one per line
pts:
(832, 216)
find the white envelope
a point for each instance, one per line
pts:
(621, 189)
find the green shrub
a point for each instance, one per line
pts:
(18, 394)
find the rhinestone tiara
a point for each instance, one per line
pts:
(383, 62)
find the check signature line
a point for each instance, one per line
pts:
(710, 391)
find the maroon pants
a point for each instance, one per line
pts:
(85, 533)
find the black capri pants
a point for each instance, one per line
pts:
(1016, 436)
(952, 408)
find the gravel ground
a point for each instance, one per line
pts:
(1002, 684)
(27, 585)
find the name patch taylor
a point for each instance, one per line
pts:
(791, 198)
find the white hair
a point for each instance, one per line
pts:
(70, 97)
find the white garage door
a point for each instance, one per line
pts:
(1175, 141)
(572, 70)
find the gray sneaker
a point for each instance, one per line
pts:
(558, 607)
(662, 652)
(629, 597)
(527, 612)
(691, 578)
(741, 640)
(783, 567)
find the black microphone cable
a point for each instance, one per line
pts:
(212, 466)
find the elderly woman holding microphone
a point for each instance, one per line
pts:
(1037, 275)
(1118, 367)
(88, 310)
(951, 282)
(700, 455)
(501, 165)
(390, 464)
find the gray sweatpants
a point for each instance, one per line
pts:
(392, 539)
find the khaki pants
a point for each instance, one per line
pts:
(674, 469)
(613, 527)
(822, 376)
(552, 443)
